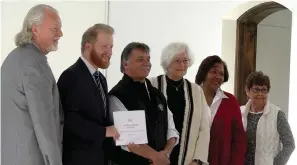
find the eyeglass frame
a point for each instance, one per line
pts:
(184, 61)
(258, 90)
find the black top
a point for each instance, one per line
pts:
(176, 103)
(135, 96)
(285, 134)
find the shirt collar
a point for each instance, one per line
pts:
(220, 94)
(246, 108)
(89, 66)
(35, 46)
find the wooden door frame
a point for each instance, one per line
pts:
(246, 44)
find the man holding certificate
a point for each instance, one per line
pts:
(140, 113)
(83, 93)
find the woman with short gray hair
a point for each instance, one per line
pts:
(188, 106)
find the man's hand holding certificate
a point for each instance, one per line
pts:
(131, 126)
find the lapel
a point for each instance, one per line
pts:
(87, 79)
(85, 74)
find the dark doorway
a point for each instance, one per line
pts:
(246, 43)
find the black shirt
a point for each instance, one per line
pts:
(176, 103)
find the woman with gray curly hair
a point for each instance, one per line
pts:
(187, 103)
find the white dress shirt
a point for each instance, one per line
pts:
(91, 68)
(115, 105)
(216, 103)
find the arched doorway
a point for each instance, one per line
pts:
(246, 44)
(230, 52)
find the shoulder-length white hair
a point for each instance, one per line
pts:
(34, 17)
(172, 50)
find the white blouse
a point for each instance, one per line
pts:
(216, 103)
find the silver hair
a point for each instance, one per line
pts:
(34, 17)
(172, 50)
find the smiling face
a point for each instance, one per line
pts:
(257, 88)
(101, 50)
(215, 76)
(258, 95)
(179, 65)
(47, 34)
(138, 65)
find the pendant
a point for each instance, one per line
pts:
(176, 89)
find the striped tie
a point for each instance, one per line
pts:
(98, 83)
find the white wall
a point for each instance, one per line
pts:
(76, 17)
(273, 55)
(157, 23)
(1, 31)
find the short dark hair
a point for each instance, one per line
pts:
(129, 48)
(257, 78)
(206, 65)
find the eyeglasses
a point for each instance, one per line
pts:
(258, 90)
(185, 61)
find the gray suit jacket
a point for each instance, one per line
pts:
(30, 110)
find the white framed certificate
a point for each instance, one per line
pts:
(131, 125)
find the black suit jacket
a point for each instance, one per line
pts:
(84, 128)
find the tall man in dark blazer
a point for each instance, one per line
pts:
(83, 91)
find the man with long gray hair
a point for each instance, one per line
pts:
(31, 114)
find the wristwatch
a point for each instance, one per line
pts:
(198, 161)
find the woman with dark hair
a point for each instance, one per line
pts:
(269, 137)
(227, 137)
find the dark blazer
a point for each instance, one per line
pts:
(85, 121)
